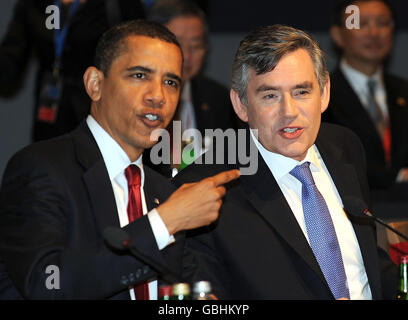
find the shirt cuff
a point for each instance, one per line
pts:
(162, 235)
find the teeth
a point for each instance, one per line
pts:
(151, 117)
(290, 130)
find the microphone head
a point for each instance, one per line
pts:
(355, 206)
(116, 237)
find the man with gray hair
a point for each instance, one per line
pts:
(287, 232)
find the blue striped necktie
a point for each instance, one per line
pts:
(321, 233)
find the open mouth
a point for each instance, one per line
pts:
(291, 132)
(151, 119)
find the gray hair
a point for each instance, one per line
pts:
(262, 49)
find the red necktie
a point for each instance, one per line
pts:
(134, 210)
(387, 144)
(381, 123)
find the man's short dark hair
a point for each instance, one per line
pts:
(111, 44)
(163, 11)
(339, 9)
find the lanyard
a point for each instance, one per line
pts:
(61, 35)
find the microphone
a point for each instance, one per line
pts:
(119, 239)
(358, 205)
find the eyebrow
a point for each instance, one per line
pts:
(139, 68)
(173, 76)
(150, 71)
(303, 85)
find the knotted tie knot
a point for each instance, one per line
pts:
(303, 173)
(132, 174)
(372, 86)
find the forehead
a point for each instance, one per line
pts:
(146, 51)
(373, 8)
(185, 26)
(293, 68)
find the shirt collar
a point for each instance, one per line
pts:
(280, 165)
(357, 79)
(115, 158)
(186, 93)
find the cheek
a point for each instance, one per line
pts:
(265, 125)
(353, 39)
(388, 40)
(172, 100)
(197, 60)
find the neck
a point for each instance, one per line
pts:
(368, 68)
(132, 152)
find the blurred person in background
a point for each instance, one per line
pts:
(368, 99)
(204, 103)
(63, 54)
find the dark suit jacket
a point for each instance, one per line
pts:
(256, 249)
(55, 202)
(212, 105)
(346, 109)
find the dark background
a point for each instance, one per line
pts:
(313, 15)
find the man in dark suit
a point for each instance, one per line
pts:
(368, 99)
(204, 103)
(58, 196)
(281, 229)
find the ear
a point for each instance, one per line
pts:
(337, 35)
(93, 83)
(239, 108)
(325, 96)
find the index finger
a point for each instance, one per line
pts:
(225, 177)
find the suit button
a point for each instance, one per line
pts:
(138, 273)
(132, 278)
(124, 280)
(146, 269)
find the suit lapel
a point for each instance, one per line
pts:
(201, 107)
(264, 194)
(96, 178)
(155, 195)
(347, 183)
(397, 108)
(344, 101)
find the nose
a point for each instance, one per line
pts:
(373, 29)
(288, 107)
(155, 96)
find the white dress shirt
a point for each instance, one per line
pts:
(187, 114)
(116, 161)
(358, 82)
(291, 188)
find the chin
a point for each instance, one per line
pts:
(295, 153)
